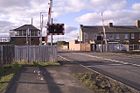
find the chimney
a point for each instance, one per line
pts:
(110, 24)
(81, 25)
(138, 23)
(31, 21)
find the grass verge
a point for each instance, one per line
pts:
(44, 64)
(101, 84)
(37, 63)
(6, 74)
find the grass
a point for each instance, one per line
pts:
(44, 64)
(6, 74)
(35, 63)
(100, 84)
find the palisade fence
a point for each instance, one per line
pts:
(6, 54)
(10, 53)
(117, 47)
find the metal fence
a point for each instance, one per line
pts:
(116, 47)
(9, 53)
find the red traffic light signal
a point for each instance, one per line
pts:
(56, 29)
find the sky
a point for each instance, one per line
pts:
(14, 13)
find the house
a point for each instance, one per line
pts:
(25, 35)
(117, 37)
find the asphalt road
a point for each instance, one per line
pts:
(122, 67)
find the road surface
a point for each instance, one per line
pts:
(122, 67)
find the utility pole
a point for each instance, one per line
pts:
(27, 43)
(41, 26)
(52, 33)
(104, 33)
(50, 22)
(49, 12)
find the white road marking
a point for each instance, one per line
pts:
(104, 65)
(112, 60)
(64, 58)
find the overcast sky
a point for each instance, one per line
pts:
(72, 13)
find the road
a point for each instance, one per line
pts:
(122, 67)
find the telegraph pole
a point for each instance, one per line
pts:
(50, 22)
(49, 12)
(104, 33)
(41, 26)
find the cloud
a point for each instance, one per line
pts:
(88, 18)
(69, 29)
(14, 3)
(4, 25)
(102, 5)
(136, 6)
(15, 13)
(118, 17)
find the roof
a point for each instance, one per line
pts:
(25, 27)
(120, 29)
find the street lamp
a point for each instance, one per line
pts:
(41, 25)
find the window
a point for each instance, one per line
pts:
(117, 36)
(126, 36)
(132, 36)
(111, 36)
(95, 36)
(17, 33)
(24, 33)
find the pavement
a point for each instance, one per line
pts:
(122, 67)
(55, 79)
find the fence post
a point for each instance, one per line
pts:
(1, 47)
(0, 56)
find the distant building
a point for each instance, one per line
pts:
(25, 35)
(79, 46)
(4, 40)
(117, 36)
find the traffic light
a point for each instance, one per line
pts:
(60, 28)
(50, 28)
(56, 29)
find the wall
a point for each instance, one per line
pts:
(22, 40)
(73, 46)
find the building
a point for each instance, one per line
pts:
(25, 35)
(118, 37)
(79, 46)
(4, 40)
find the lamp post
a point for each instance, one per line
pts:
(41, 25)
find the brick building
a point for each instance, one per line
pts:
(127, 36)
